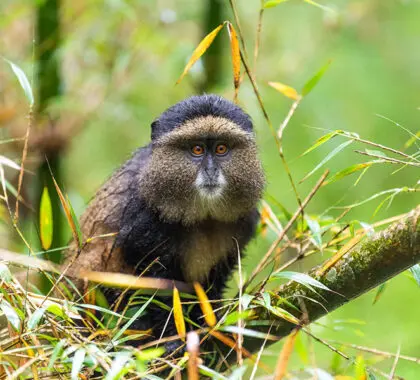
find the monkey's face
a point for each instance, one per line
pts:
(206, 168)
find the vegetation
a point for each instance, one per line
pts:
(336, 223)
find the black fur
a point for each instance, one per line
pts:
(144, 237)
(197, 106)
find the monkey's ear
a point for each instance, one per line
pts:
(155, 129)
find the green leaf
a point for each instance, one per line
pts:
(238, 373)
(301, 278)
(333, 153)
(246, 300)
(273, 3)
(11, 314)
(132, 319)
(311, 83)
(315, 229)
(5, 274)
(46, 219)
(57, 350)
(350, 170)
(415, 270)
(23, 80)
(56, 310)
(35, 318)
(322, 140)
(211, 373)
(77, 363)
(117, 365)
(375, 152)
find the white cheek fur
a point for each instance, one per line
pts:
(210, 192)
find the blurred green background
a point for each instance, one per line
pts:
(120, 60)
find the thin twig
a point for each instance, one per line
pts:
(261, 265)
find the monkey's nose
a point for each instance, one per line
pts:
(211, 171)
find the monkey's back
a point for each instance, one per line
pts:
(101, 221)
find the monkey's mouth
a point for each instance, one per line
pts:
(210, 187)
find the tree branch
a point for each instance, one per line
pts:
(369, 264)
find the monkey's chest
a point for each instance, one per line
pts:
(203, 250)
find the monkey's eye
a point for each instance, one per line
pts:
(221, 149)
(197, 150)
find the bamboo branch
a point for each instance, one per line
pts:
(369, 264)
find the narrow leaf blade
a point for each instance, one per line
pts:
(333, 153)
(347, 171)
(178, 314)
(236, 58)
(287, 91)
(301, 278)
(205, 305)
(273, 3)
(200, 50)
(23, 80)
(311, 83)
(46, 219)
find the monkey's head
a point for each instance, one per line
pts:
(204, 162)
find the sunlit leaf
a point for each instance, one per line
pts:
(200, 50)
(288, 91)
(415, 270)
(347, 171)
(46, 219)
(23, 80)
(5, 274)
(311, 83)
(117, 366)
(10, 314)
(205, 305)
(36, 318)
(301, 349)
(8, 162)
(178, 314)
(329, 156)
(301, 278)
(360, 368)
(56, 310)
(236, 57)
(273, 3)
(77, 363)
(321, 140)
(284, 356)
